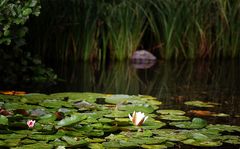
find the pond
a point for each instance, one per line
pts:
(188, 104)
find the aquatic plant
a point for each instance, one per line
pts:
(138, 118)
(95, 120)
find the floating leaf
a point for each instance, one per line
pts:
(201, 104)
(222, 127)
(42, 145)
(75, 118)
(3, 120)
(154, 146)
(231, 139)
(205, 143)
(174, 117)
(171, 134)
(145, 108)
(196, 123)
(95, 146)
(173, 112)
(76, 142)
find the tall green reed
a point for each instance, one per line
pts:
(88, 30)
(126, 25)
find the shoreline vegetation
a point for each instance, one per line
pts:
(106, 30)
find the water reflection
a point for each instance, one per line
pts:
(172, 82)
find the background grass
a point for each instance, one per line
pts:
(113, 29)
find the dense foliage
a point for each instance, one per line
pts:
(13, 16)
(17, 64)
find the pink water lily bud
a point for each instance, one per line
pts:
(31, 123)
(138, 118)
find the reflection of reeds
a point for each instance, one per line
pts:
(186, 29)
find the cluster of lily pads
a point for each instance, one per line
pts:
(94, 120)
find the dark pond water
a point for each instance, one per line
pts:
(171, 82)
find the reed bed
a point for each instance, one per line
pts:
(113, 29)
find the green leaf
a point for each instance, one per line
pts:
(76, 142)
(173, 112)
(201, 104)
(195, 124)
(174, 117)
(3, 120)
(73, 119)
(27, 11)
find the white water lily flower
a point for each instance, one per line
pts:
(138, 118)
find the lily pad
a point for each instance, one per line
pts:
(3, 120)
(171, 134)
(76, 142)
(201, 104)
(145, 108)
(75, 118)
(42, 145)
(205, 143)
(196, 123)
(222, 127)
(154, 146)
(231, 139)
(174, 117)
(173, 112)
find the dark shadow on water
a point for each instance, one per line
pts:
(171, 82)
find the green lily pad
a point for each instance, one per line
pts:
(201, 104)
(122, 99)
(34, 98)
(171, 134)
(42, 145)
(85, 106)
(174, 117)
(145, 108)
(231, 139)
(73, 96)
(17, 105)
(44, 137)
(3, 120)
(147, 125)
(173, 112)
(222, 127)
(55, 104)
(220, 115)
(76, 142)
(75, 118)
(12, 142)
(117, 113)
(105, 120)
(154, 146)
(12, 136)
(150, 100)
(95, 146)
(205, 143)
(196, 123)
(47, 119)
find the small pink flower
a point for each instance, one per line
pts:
(31, 123)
